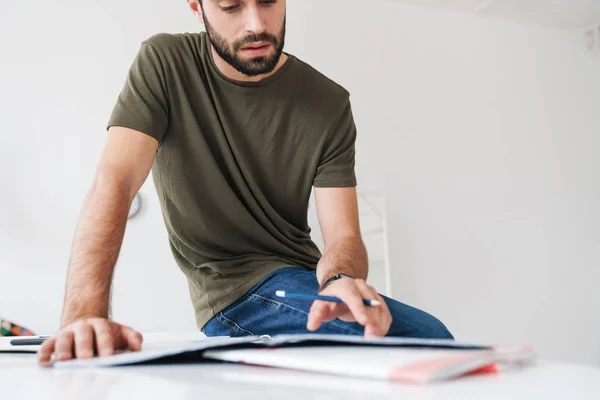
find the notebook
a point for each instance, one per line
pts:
(398, 359)
(417, 365)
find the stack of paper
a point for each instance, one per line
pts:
(398, 359)
(405, 364)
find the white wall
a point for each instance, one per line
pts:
(483, 136)
(481, 133)
(63, 63)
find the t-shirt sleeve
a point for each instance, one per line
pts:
(142, 104)
(337, 161)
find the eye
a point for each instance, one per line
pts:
(233, 8)
(230, 8)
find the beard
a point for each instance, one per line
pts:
(252, 66)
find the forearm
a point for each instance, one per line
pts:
(346, 255)
(97, 243)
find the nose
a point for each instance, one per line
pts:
(254, 22)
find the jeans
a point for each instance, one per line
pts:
(260, 312)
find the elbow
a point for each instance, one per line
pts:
(111, 182)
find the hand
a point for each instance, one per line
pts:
(87, 337)
(376, 319)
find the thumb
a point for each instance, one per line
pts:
(132, 338)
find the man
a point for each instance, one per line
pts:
(237, 133)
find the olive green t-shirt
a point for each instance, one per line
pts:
(236, 161)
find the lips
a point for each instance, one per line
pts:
(256, 46)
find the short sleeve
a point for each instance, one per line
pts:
(142, 104)
(337, 160)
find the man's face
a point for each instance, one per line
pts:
(248, 34)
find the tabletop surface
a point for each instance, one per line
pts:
(21, 377)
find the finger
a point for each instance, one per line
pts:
(353, 299)
(373, 312)
(104, 338)
(383, 305)
(335, 310)
(324, 311)
(46, 350)
(386, 316)
(64, 345)
(133, 339)
(385, 310)
(373, 330)
(316, 315)
(365, 291)
(84, 340)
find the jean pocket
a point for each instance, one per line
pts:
(255, 298)
(235, 329)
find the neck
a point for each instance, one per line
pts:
(232, 73)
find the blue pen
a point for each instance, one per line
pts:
(304, 296)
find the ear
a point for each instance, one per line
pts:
(196, 9)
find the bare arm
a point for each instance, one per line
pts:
(123, 167)
(345, 252)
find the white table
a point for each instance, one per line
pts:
(22, 378)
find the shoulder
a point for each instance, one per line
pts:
(167, 44)
(313, 78)
(320, 94)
